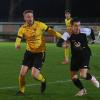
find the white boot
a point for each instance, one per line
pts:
(81, 92)
(95, 82)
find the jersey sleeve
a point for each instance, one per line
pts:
(86, 31)
(50, 30)
(20, 32)
(19, 36)
(66, 36)
(44, 27)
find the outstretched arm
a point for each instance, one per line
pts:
(18, 43)
(62, 41)
(53, 32)
(19, 38)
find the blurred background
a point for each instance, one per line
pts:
(49, 11)
(11, 10)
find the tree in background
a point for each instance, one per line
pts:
(13, 6)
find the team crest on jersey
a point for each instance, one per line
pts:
(77, 44)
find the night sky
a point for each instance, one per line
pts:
(52, 8)
(86, 8)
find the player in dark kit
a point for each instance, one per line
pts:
(80, 58)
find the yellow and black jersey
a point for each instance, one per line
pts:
(34, 36)
(68, 24)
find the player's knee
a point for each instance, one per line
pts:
(23, 71)
(74, 77)
(22, 74)
(87, 76)
(83, 75)
(34, 73)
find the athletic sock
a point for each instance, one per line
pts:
(78, 83)
(22, 84)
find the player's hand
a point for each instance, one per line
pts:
(17, 47)
(65, 45)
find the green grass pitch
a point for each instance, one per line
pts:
(59, 85)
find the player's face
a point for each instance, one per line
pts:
(76, 27)
(29, 18)
(67, 15)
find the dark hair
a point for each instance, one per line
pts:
(74, 20)
(27, 11)
(67, 11)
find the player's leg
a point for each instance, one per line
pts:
(26, 63)
(37, 75)
(66, 56)
(86, 75)
(38, 60)
(75, 63)
(84, 71)
(23, 71)
(78, 84)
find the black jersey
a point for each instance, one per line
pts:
(79, 45)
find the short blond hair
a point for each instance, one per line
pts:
(27, 11)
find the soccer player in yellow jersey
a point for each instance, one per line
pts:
(68, 25)
(32, 31)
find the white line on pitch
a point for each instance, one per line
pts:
(28, 85)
